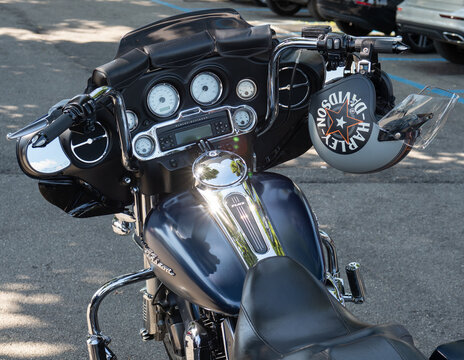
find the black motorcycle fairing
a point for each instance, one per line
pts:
(78, 198)
(83, 190)
(182, 40)
(122, 71)
(286, 313)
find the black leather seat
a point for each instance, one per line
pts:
(286, 313)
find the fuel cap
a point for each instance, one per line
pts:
(219, 169)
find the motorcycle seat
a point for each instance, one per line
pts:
(286, 313)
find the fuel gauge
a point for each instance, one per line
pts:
(246, 89)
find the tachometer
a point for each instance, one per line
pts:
(206, 88)
(163, 100)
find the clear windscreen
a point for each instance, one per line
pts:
(418, 118)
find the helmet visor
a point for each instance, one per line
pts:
(418, 118)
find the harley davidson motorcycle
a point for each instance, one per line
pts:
(174, 137)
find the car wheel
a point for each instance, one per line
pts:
(352, 29)
(451, 52)
(418, 43)
(283, 7)
(314, 11)
(262, 3)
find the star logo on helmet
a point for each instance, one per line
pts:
(341, 121)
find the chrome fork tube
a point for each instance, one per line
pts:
(273, 75)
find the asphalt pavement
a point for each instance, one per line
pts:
(404, 225)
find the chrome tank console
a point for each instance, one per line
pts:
(222, 179)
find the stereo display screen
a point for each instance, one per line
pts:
(193, 135)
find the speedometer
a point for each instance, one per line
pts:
(163, 100)
(206, 88)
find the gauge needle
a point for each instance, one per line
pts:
(89, 141)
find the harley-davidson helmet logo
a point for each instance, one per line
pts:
(341, 122)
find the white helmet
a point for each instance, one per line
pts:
(349, 135)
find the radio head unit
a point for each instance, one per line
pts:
(190, 127)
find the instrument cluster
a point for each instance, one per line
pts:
(182, 113)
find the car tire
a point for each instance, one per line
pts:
(283, 7)
(419, 44)
(352, 29)
(314, 10)
(262, 3)
(451, 52)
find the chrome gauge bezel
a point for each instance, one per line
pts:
(218, 96)
(136, 120)
(149, 139)
(251, 112)
(246, 98)
(177, 96)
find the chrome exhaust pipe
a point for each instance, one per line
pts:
(453, 37)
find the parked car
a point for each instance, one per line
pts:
(359, 18)
(442, 21)
(291, 7)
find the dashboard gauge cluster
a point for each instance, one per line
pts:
(205, 88)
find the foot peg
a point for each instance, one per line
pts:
(356, 282)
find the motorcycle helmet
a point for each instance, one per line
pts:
(351, 132)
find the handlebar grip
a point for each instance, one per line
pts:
(380, 45)
(52, 131)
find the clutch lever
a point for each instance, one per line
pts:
(39, 124)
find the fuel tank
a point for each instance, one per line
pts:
(197, 261)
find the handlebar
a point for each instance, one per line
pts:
(333, 46)
(52, 131)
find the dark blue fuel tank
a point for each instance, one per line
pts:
(207, 270)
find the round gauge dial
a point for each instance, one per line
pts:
(246, 89)
(144, 146)
(163, 100)
(243, 118)
(132, 119)
(206, 88)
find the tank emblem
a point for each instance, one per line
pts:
(155, 260)
(341, 122)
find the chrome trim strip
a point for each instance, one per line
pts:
(185, 116)
(215, 198)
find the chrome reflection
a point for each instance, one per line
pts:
(227, 175)
(49, 159)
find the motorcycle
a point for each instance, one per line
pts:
(174, 137)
